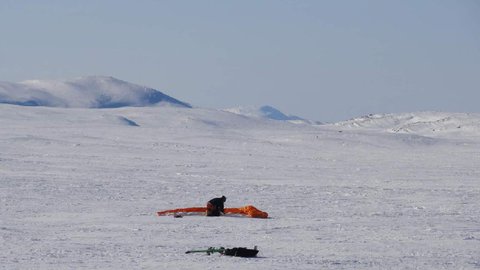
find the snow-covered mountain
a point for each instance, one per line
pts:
(83, 92)
(267, 112)
(109, 92)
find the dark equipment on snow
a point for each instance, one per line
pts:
(241, 252)
(236, 252)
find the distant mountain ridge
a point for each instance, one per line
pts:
(83, 92)
(267, 112)
(109, 92)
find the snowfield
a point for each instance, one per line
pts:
(80, 189)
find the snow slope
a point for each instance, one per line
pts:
(83, 92)
(80, 188)
(433, 124)
(267, 112)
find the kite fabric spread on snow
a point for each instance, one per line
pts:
(248, 210)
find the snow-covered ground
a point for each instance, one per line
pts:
(79, 189)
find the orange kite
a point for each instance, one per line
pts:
(248, 210)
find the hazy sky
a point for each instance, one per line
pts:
(322, 60)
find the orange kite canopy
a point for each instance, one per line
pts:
(248, 210)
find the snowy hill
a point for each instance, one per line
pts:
(83, 92)
(80, 188)
(108, 92)
(431, 124)
(267, 112)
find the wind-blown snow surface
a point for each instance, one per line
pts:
(80, 188)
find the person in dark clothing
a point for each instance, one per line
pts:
(215, 207)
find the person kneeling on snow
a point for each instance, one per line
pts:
(215, 207)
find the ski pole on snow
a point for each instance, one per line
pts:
(209, 251)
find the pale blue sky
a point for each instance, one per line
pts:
(322, 60)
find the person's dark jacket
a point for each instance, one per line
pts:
(215, 206)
